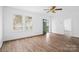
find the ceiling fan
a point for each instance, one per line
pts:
(53, 9)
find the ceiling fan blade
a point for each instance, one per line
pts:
(52, 7)
(51, 11)
(59, 9)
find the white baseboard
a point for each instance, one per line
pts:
(75, 36)
(16, 38)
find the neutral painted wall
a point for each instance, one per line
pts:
(8, 22)
(9, 34)
(56, 22)
(1, 16)
(68, 12)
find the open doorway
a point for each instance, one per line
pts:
(45, 26)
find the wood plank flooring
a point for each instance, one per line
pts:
(44, 43)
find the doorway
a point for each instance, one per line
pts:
(45, 26)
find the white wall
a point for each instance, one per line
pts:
(9, 34)
(67, 25)
(57, 23)
(8, 22)
(68, 12)
(1, 25)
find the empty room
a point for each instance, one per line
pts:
(39, 28)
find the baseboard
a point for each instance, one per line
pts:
(38, 35)
(64, 34)
(75, 37)
(23, 37)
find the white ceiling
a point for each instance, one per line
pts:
(38, 9)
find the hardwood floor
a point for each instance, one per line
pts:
(45, 43)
